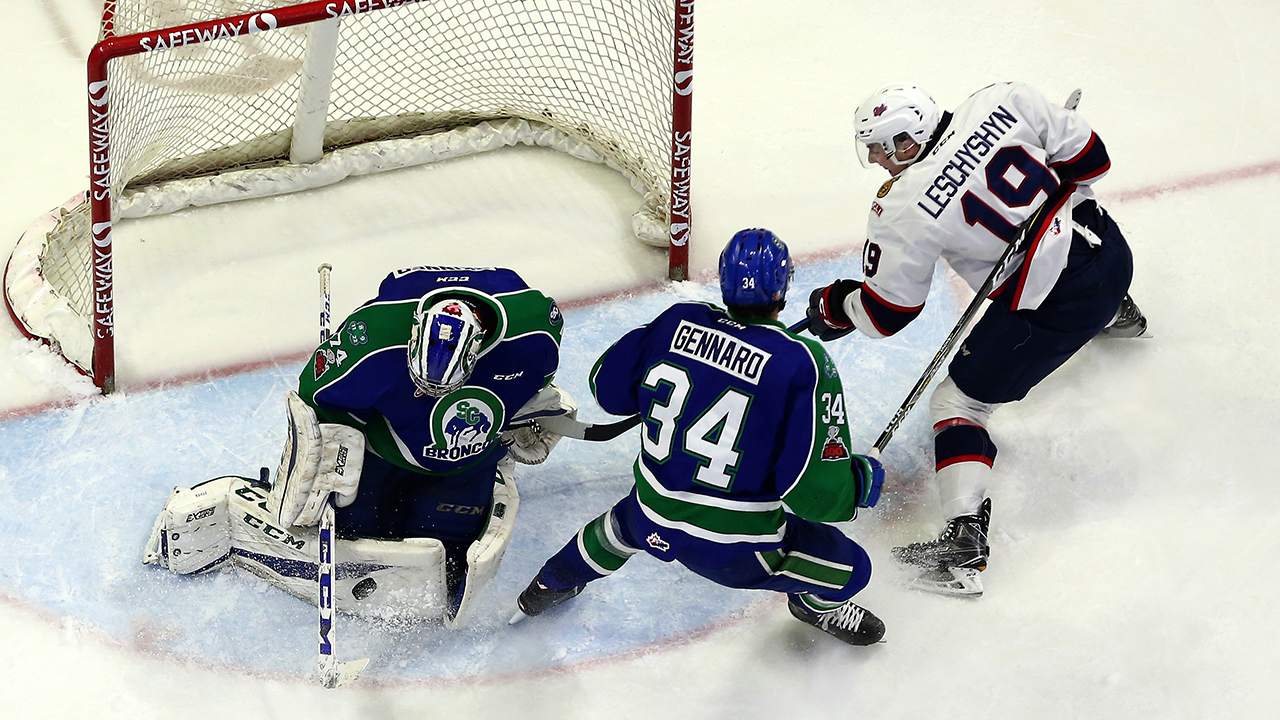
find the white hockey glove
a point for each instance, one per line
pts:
(527, 445)
(318, 459)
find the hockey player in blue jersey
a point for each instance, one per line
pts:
(744, 455)
(962, 185)
(404, 416)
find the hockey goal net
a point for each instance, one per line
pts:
(195, 102)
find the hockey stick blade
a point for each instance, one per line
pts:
(578, 430)
(1073, 100)
(336, 673)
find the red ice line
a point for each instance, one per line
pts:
(1147, 193)
(1222, 177)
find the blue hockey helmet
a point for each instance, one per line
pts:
(755, 268)
(444, 344)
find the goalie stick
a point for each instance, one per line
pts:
(333, 672)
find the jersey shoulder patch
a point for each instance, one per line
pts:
(885, 188)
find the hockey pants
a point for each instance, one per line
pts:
(815, 560)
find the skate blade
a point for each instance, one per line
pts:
(955, 582)
(519, 616)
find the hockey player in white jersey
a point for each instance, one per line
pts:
(964, 185)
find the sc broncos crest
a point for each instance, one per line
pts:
(464, 423)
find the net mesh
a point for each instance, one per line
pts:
(598, 70)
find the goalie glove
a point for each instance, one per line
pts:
(827, 318)
(531, 444)
(868, 476)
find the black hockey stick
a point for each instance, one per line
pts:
(1073, 100)
(578, 430)
(333, 672)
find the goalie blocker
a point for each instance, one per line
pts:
(231, 519)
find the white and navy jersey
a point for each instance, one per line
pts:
(991, 164)
(739, 417)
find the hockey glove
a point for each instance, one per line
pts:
(868, 473)
(827, 318)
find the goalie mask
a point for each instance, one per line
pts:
(443, 345)
(893, 110)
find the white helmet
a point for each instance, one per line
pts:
(443, 345)
(894, 109)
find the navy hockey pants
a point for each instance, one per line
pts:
(394, 503)
(1007, 353)
(815, 559)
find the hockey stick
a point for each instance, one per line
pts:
(568, 427)
(578, 430)
(333, 672)
(1073, 101)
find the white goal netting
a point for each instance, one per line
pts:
(217, 100)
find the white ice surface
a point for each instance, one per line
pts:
(1135, 511)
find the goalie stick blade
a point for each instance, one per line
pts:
(956, 582)
(336, 673)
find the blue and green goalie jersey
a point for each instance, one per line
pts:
(740, 417)
(360, 377)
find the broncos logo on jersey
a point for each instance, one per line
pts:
(464, 424)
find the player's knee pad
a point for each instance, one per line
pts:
(949, 402)
(963, 449)
(192, 534)
(484, 556)
(379, 578)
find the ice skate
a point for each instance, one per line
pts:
(953, 563)
(538, 598)
(849, 622)
(1129, 322)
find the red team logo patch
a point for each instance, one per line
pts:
(327, 358)
(834, 449)
(322, 364)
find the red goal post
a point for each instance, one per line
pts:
(281, 98)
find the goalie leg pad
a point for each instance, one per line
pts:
(388, 579)
(484, 556)
(192, 534)
(319, 459)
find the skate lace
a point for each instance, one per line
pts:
(846, 617)
(1128, 313)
